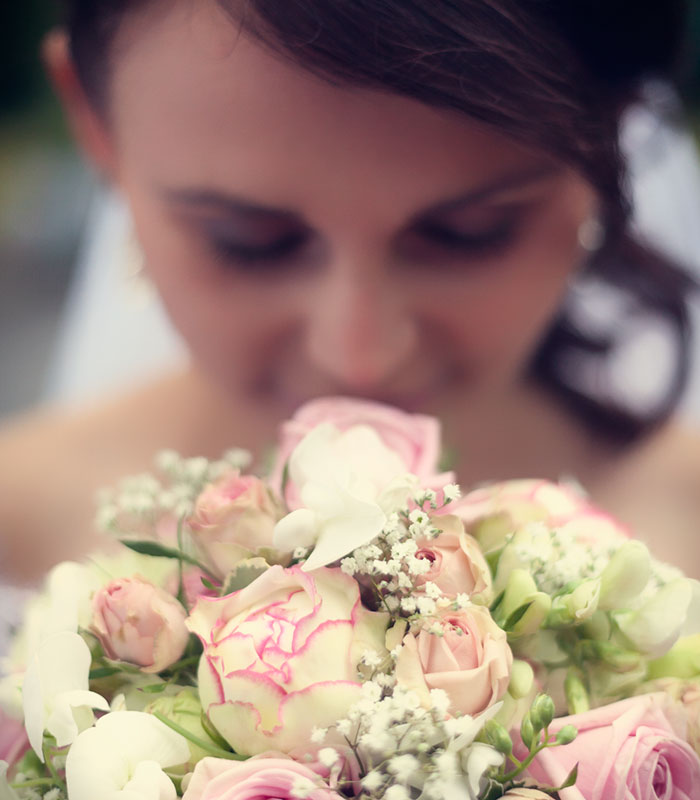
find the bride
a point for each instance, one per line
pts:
(394, 199)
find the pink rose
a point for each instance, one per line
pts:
(234, 519)
(281, 778)
(281, 656)
(468, 657)
(415, 438)
(687, 694)
(625, 751)
(13, 739)
(457, 565)
(139, 623)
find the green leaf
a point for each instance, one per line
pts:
(571, 778)
(244, 574)
(153, 688)
(208, 584)
(103, 672)
(516, 616)
(285, 478)
(494, 605)
(150, 548)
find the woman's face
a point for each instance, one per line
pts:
(309, 239)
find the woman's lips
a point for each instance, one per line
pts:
(416, 400)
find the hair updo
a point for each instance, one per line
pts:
(553, 74)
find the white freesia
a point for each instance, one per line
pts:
(531, 545)
(348, 482)
(692, 620)
(55, 691)
(6, 791)
(65, 604)
(480, 758)
(123, 757)
(625, 576)
(654, 627)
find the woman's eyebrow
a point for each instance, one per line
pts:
(202, 199)
(502, 184)
(225, 203)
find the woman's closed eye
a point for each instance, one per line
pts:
(474, 241)
(480, 236)
(274, 251)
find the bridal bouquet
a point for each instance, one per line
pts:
(353, 627)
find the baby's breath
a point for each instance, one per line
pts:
(408, 749)
(137, 504)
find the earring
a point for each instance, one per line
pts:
(591, 234)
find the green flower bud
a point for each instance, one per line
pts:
(542, 711)
(527, 732)
(576, 606)
(577, 698)
(522, 678)
(566, 735)
(497, 736)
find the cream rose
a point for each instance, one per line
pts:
(465, 654)
(281, 656)
(457, 565)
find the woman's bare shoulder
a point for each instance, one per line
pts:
(53, 461)
(654, 487)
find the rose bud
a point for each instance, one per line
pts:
(234, 519)
(139, 623)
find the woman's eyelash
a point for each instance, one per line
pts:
(279, 249)
(282, 250)
(456, 240)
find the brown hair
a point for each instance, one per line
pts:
(555, 74)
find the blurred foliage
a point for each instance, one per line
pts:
(22, 25)
(691, 87)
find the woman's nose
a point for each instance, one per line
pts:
(360, 328)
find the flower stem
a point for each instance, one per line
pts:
(209, 747)
(48, 759)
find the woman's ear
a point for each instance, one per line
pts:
(88, 125)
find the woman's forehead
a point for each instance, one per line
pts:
(199, 102)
